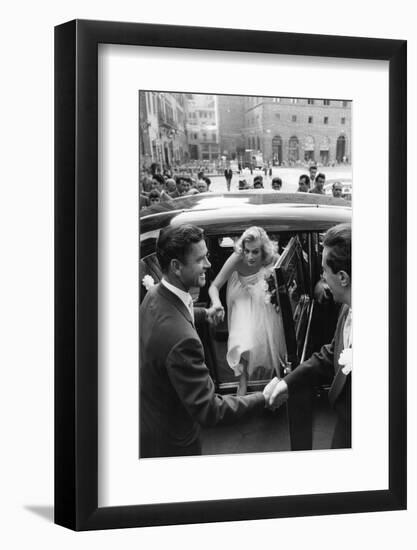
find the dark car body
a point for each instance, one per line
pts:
(297, 221)
(216, 212)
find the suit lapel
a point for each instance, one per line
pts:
(176, 302)
(340, 378)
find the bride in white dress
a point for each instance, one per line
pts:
(256, 337)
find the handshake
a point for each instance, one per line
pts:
(275, 393)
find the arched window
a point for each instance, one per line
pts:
(324, 150)
(276, 150)
(341, 149)
(293, 149)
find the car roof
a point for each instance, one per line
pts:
(233, 212)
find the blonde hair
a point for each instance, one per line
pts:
(269, 248)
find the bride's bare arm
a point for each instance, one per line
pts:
(228, 267)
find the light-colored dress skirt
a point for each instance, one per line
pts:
(256, 332)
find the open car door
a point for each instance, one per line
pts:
(293, 291)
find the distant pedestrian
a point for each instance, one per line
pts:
(202, 186)
(183, 186)
(337, 189)
(154, 197)
(318, 189)
(313, 172)
(276, 184)
(303, 183)
(258, 182)
(170, 186)
(228, 174)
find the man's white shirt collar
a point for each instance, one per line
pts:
(185, 297)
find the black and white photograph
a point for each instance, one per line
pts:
(245, 331)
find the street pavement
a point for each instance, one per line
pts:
(289, 178)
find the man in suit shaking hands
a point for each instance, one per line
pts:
(177, 394)
(333, 363)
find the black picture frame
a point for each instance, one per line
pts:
(76, 271)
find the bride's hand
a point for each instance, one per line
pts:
(215, 314)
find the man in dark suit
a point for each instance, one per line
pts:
(228, 174)
(177, 394)
(333, 363)
(313, 171)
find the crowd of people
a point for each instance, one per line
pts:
(163, 185)
(157, 186)
(177, 393)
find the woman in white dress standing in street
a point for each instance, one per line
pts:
(256, 335)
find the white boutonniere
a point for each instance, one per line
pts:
(148, 282)
(345, 361)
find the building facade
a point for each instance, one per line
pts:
(231, 110)
(202, 127)
(294, 131)
(162, 129)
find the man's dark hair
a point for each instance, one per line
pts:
(320, 175)
(338, 241)
(312, 167)
(258, 178)
(304, 177)
(179, 179)
(278, 181)
(154, 194)
(159, 178)
(175, 242)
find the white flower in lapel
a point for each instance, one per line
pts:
(148, 282)
(345, 361)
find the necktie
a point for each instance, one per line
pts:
(191, 307)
